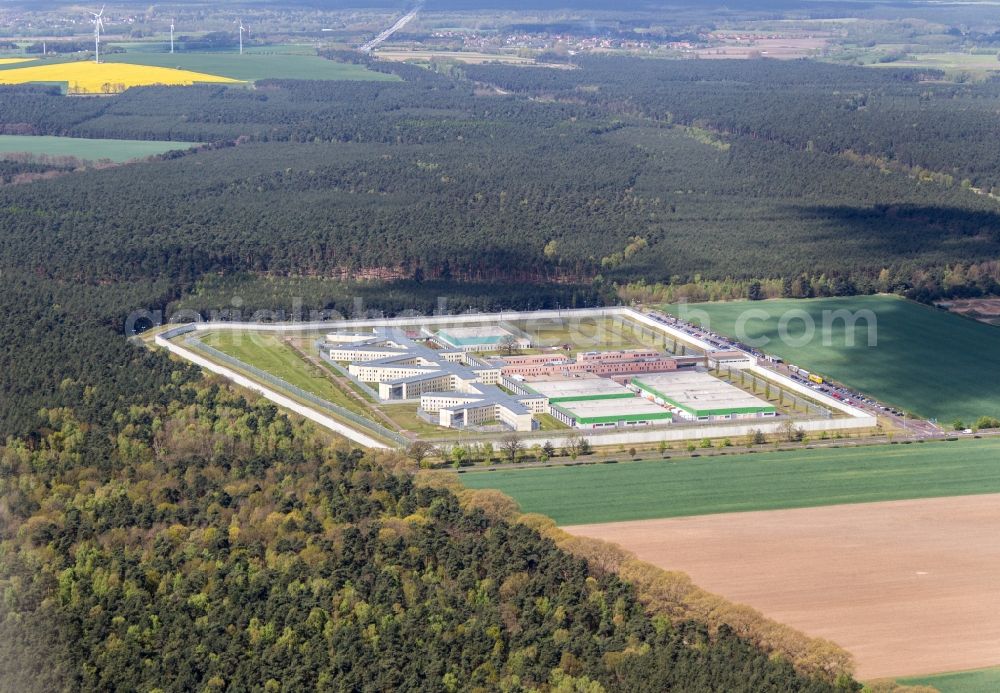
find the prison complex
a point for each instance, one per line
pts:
(456, 388)
(698, 396)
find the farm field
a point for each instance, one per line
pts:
(86, 149)
(908, 587)
(927, 361)
(975, 681)
(255, 66)
(985, 310)
(749, 482)
(949, 61)
(783, 47)
(85, 77)
(162, 46)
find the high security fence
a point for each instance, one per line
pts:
(656, 337)
(759, 385)
(177, 331)
(325, 355)
(264, 376)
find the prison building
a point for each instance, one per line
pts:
(730, 358)
(405, 369)
(593, 402)
(482, 405)
(605, 364)
(480, 338)
(698, 396)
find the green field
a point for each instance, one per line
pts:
(14, 66)
(275, 354)
(270, 353)
(982, 64)
(547, 422)
(929, 362)
(760, 481)
(255, 66)
(87, 149)
(975, 681)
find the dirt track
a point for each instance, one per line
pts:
(982, 309)
(909, 587)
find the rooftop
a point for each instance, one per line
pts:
(614, 410)
(482, 396)
(395, 349)
(466, 336)
(701, 394)
(584, 388)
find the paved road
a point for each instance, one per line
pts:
(915, 427)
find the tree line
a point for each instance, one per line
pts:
(506, 204)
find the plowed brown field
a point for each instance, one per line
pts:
(909, 587)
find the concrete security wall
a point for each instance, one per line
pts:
(773, 376)
(798, 387)
(422, 320)
(677, 433)
(858, 419)
(279, 399)
(644, 319)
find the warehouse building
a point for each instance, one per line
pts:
(697, 396)
(579, 388)
(592, 402)
(620, 413)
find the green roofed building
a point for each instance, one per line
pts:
(624, 412)
(594, 402)
(696, 395)
(480, 338)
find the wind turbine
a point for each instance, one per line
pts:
(171, 35)
(242, 29)
(98, 21)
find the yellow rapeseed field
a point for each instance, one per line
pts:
(14, 61)
(105, 78)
